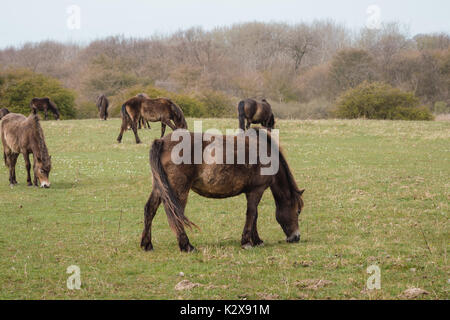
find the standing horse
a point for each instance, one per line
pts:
(24, 135)
(44, 104)
(142, 123)
(255, 112)
(3, 112)
(102, 106)
(160, 109)
(172, 182)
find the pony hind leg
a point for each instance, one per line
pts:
(134, 127)
(149, 213)
(178, 229)
(123, 128)
(11, 160)
(250, 236)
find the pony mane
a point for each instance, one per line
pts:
(283, 163)
(178, 114)
(39, 133)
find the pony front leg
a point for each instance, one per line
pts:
(149, 213)
(26, 157)
(250, 236)
(163, 129)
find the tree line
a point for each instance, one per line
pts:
(302, 69)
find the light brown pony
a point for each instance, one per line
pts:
(24, 135)
(172, 182)
(160, 109)
(44, 104)
(255, 112)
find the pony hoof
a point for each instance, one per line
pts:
(260, 244)
(188, 248)
(247, 246)
(294, 239)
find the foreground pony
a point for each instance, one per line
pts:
(24, 135)
(172, 182)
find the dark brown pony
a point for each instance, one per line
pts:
(172, 182)
(44, 104)
(3, 112)
(142, 123)
(24, 135)
(160, 109)
(255, 112)
(102, 106)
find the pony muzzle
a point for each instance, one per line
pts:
(45, 184)
(294, 237)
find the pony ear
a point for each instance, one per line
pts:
(301, 191)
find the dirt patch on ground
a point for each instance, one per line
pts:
(413, 293)
(312, 284)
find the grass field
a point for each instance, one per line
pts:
(377, 192)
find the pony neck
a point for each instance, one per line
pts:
(281, 188)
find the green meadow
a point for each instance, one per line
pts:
(377, 193)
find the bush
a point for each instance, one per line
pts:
(314, 109)
(380, 101)
(87, 110)
(217, 104)
(18, 87)
(441, 107)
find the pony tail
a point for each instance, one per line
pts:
(175, 211)
(241, 112)
(178, 115)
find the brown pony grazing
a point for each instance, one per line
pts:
(44, 104)
(102, 106)
(24, 135)
(142, 123)
(3, 112)
(160, 109)
(172, 182)
(255, 112)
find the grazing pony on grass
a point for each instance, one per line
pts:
(160, 109)
(142, 123)
(255, 112)
(172, 182)
(102, 106)
(3, 112)
(44, 104)
(24, 135)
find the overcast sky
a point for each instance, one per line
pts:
(26, 20)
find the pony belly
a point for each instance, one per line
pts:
(213, 184)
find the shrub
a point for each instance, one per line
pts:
(441, 107)
(217, 104)
(18, 87)
(380, 101)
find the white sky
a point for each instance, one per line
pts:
(26, 20)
